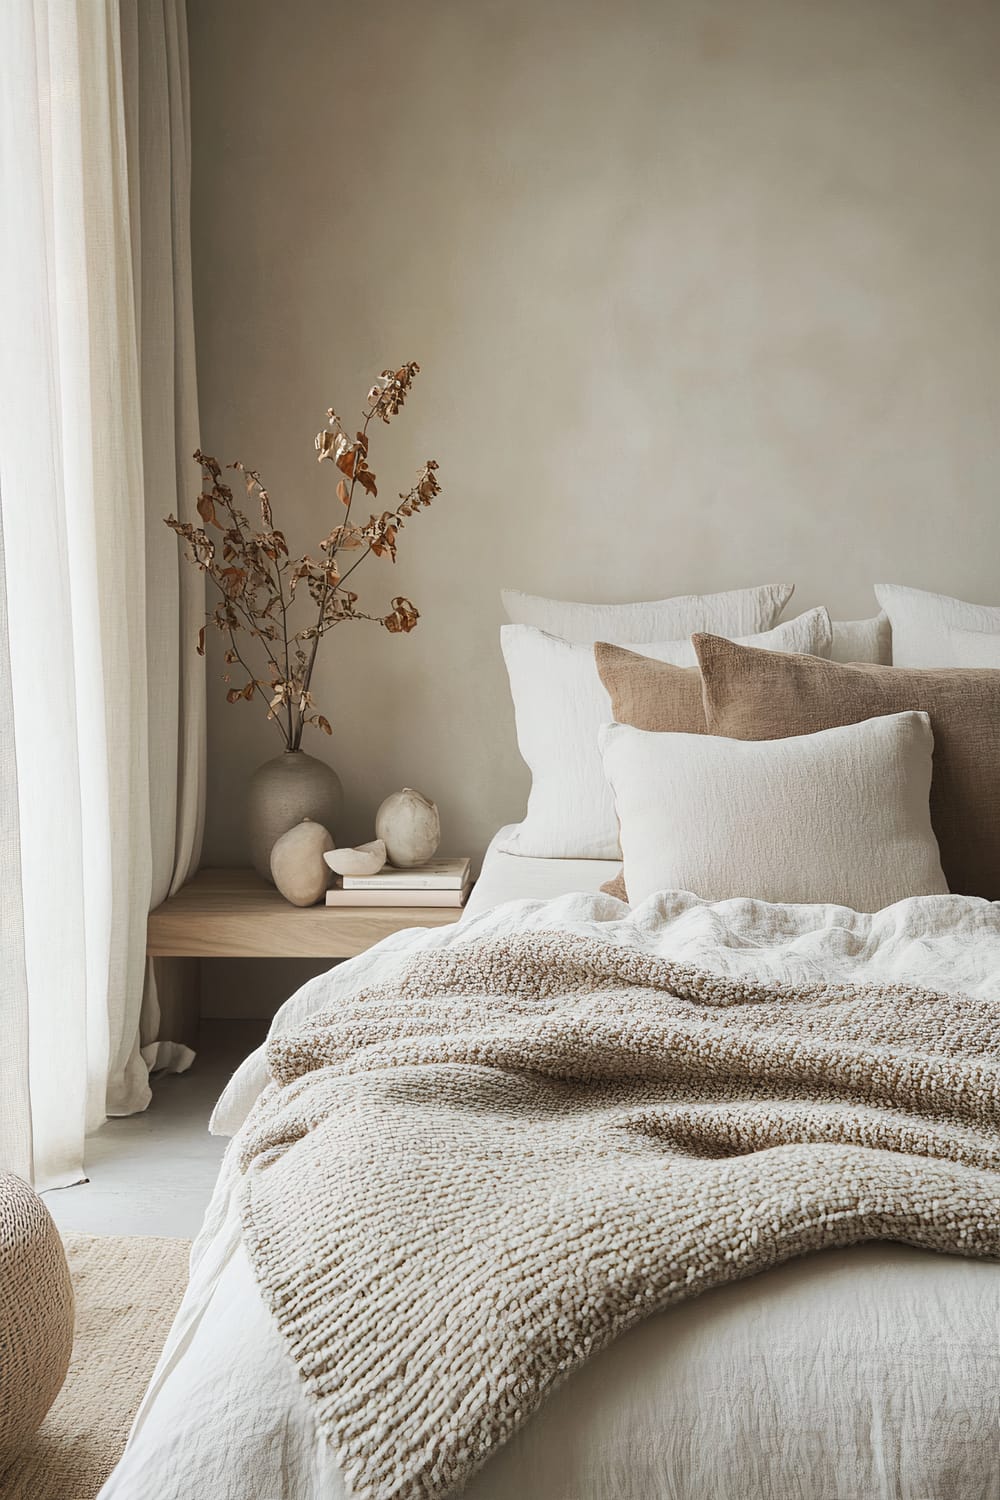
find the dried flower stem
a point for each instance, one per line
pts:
(320, 631)
(236, 652)
(288, 665)
(250, 576)
(236, 602)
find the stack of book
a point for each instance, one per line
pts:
(440, 882)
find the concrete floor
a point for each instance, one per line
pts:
(153, 1173)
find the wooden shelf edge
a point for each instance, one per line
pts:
(233, 914)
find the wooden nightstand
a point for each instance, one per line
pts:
(234, 914)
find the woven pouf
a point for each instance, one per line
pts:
(36, 1313)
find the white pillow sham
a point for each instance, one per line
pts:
(840, 816)
(560, 704)
(920, 622)
(737, 612)
(863, 640)
(972, 648)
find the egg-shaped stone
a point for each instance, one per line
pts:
(297, 865)
(409, 826)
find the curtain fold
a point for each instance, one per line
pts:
(96, 400)
(157, 130)
(15, 1102)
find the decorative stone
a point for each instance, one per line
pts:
(297, 864)
(409, 826)
(366, 859)
(283, 791)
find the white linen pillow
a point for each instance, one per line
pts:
(863, 640)
(840, 816)
(737, 612)
(972, 648)
(920, 621)
(560, 704)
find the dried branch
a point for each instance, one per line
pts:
(256, 596)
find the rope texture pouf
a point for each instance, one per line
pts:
(36, 1313)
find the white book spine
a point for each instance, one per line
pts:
(405, 880)
(361, 883)
(397, 898)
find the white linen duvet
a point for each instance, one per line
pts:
(866, 1374)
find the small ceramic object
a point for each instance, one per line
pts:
(283, 791)
(366, 859)
(297, 866)
(409, 826)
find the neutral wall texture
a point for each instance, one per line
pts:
(706, 294)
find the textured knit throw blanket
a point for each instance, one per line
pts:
(464, 1183)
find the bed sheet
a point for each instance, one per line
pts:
(511, 877)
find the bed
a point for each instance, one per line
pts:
(870, 1372)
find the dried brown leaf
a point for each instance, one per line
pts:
(326, 445)
(206, 509)
(366, 478)
(403, 617)
(209, 463)
(347, 456)
(232, 580)
(386, 401)
(342, 539)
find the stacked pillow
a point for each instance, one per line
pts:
(750, 695)
(559, 706)
(738, 612)
(757, 695)
(765, 770)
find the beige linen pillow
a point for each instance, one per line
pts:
(840, 816)
(763, 695)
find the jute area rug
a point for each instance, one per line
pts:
(127, 1291)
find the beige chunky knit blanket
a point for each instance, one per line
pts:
(464, 1183)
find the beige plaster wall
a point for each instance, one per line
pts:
(706, 292)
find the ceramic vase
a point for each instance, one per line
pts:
(283, 791)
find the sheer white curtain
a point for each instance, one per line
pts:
(100, 761)
(158, 138)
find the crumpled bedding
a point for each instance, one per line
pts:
(866, 1372)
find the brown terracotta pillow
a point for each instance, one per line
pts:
(764, 695)
(648, 695)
